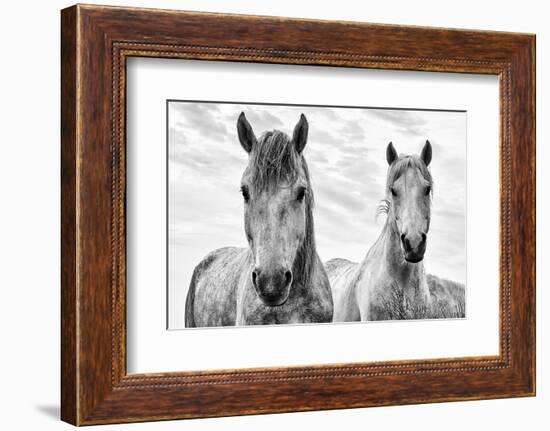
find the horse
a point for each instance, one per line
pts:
(390, 283)
(279, 278)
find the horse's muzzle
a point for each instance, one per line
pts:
(414, 250)
(273, 288)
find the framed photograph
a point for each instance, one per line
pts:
(378, 273)
(264, 215)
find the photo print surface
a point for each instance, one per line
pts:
(298, 214)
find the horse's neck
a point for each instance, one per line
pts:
(410, 277)
(303, 267)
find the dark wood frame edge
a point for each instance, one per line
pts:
(95, 388)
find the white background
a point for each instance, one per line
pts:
(153, 349)
(29, 216)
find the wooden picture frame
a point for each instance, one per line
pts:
(95, 43)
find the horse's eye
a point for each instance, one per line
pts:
(428, 190)
(393, 191)
(301, 194)
(245, 193)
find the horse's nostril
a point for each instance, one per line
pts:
(254, 278)
(288, 277)
(406, 243)
(423, 237)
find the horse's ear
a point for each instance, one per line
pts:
(391, 154)
(426, 154)
(246, 134)
(299, 137)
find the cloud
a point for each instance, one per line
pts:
(337, 193)
(331, 114)
(201, 118)
(260, 119)
(318, 158)
(404, 122)
(353, 130)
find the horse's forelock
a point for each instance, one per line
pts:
(399, 167)
(274, 161)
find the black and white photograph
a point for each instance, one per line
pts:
(293, 214)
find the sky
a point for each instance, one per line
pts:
(345, 153)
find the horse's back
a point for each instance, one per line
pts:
(341, 275)
(448, 297)
(338, 271)
(336, 266)
(211, 299)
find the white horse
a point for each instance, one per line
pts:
(390, 283)
(279, 278)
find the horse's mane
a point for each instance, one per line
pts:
(397, 169)
(274, 161)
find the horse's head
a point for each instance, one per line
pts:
(408, 191)
(277, 208)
